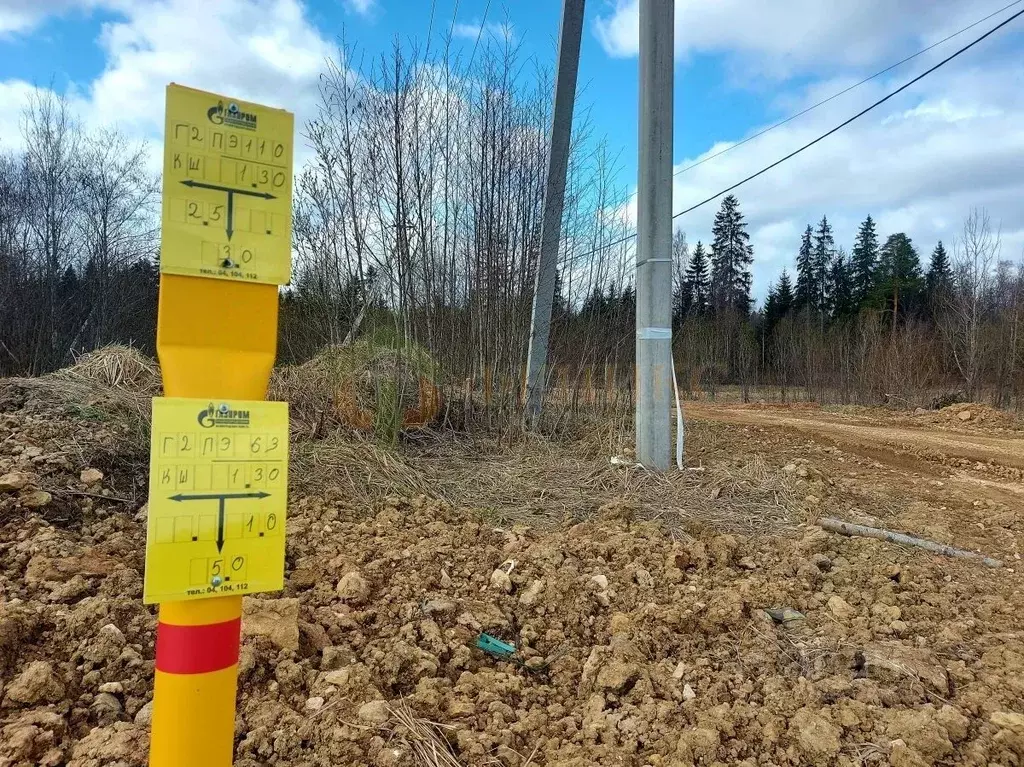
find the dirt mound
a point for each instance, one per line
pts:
(968, 414)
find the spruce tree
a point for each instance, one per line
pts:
(731, 258)
(696, 282)
(804, 298)
(940, 276)
(771, 308)
(840, 293)
(864, 262)
(681, 298)
(779, 301)
(784, 293)
(899, 285)
(559, 306)
(824, 250)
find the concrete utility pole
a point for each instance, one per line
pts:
(551, 225)
(654, 237)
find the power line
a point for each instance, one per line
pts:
(821, 137)
(845, 90)
(855, 117)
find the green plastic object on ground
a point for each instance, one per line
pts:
(495, 647)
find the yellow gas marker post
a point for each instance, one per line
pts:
(218, 470)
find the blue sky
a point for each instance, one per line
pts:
(917, 165)
(66, 49)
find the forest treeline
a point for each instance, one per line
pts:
(873, 324)
(417, 221)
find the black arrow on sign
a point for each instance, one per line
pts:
(231, 214)
(217, 496)
(201, 185)
(221, 499)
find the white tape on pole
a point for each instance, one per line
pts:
(654, 334)
(665, 334)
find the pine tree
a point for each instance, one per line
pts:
(899, 285)
(731, 258)
(804, 298)
(824, 249)
(840, 293)
(864, 262)
(697, 285)
(939, 279)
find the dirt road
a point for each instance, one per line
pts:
(988, 463)
(927, 443)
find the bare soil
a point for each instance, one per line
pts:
(643, 639)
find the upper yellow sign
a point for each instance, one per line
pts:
(218, 485)
(227, 194)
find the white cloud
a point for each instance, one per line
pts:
(14, 92)
(20, 16)
(917, 165)
(787, 36)
(360, 7)
(472, 31)
(257, 50)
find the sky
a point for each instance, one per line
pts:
(917, 164)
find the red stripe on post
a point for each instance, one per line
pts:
(197, 649)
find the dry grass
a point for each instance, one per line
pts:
(544, 483)
(531, 479)
(356, 465)
(425, 738)
(121, 368)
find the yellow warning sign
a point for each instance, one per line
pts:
(217, 498)
(227, 190)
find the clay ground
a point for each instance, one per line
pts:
(637, 604)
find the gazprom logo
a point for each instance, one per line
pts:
(223, 415)
(231, 115)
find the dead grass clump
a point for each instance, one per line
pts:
(116, 367)
(114, 383)
(371, 387)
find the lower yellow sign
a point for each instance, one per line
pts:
(218, 490)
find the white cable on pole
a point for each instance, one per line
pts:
(680, 426)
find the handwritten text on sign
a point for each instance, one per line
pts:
(217, 498)
(227, 188)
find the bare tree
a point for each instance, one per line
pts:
(962, 311)
(117, 206)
